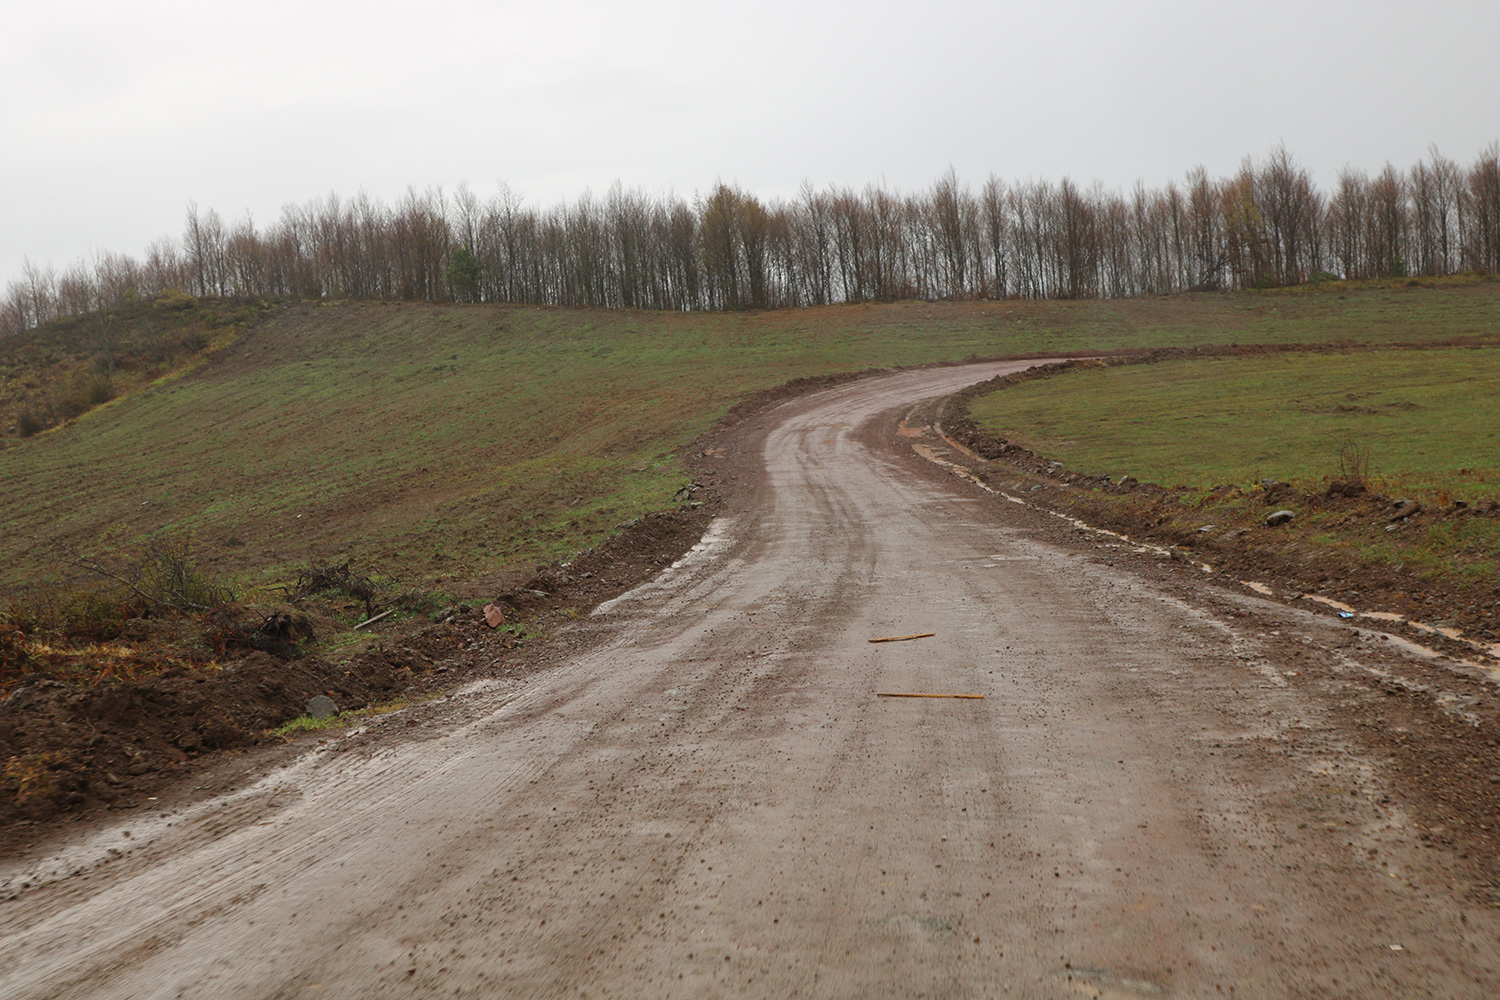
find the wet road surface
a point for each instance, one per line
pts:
(708, 800)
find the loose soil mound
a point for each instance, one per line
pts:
(67, 747)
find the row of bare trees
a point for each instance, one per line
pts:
(1266, 225)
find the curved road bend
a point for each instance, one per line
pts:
(709, 801)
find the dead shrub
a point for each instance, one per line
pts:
(30, 423)
(164, 575)
(31, 775)
(93, 613)
(1354, 463)
(338, 579)
(14, 657)
(233, 630)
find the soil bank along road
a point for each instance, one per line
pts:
(708, 799)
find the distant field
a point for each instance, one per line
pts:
(1425, 424)
(1427, 420)
(446, 444)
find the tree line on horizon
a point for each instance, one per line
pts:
(1266, 225)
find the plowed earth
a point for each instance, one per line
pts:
(1173, 786)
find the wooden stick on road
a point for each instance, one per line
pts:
(902, 694)
(903, 638)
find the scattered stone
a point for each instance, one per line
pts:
(322, 707)
(493, 616)
(1206, 529)
(1178, 555)
(1405, 509)
(1280, 517)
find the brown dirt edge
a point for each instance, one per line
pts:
(1284, 557)
(73, 754)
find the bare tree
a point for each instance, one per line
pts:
(1482, 245)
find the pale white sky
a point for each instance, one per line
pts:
(114, 115)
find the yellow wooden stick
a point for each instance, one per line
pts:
(903, 638)
(900, 694)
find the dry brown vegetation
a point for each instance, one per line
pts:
(1266, 225)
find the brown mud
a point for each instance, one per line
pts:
(70, 752)
(73, 752)
(1432, 719)
(1169, 789)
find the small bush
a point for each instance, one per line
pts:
(166, 575)
(192, 342)
(339, 579)
(14, 657)
(174, 299)
(163, 576)
(73, 611)
(71, 406)
(1354, 462)
(30, 423)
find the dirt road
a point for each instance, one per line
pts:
(709, 800)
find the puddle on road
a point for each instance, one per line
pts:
(1107, 983)
(709, 547)
(911, 432)
(1348, 611)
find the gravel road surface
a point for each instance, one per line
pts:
(708, 799)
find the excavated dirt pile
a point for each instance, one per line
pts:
(66, 746)
(110, 741)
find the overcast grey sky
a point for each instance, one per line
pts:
(114, 115)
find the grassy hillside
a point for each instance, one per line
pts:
(54, 374)
(1424, 422)
(1416, 424)
(447, 444)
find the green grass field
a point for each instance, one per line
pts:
(1427, 420)
(447, 444)
(1421, 424)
